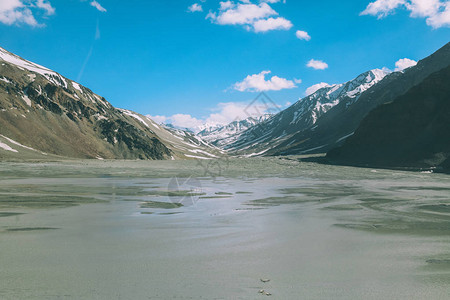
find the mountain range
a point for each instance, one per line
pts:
(221, 136)
(279, 133)
(380, 118)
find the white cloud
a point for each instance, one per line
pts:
(258, 83)
(226, 113)
(382, 8)
(195, 7)
(273, 1)
(436, 12)
(185, 121)
(423, 8)
(264, 25)
(222, 114)
(314, 88)
(226, 5)
(257, 17)
(21, 12)
(441, 19)
(244, 14)
(302, 35)
(98, 6)
(317, 64)
(404, 63)
(158, 119)
(45, 5)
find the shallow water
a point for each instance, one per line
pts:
(116, 230)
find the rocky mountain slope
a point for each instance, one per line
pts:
(43, 114)
(323, 120)
(411, 132)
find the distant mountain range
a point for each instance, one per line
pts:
(45, 115)
(221, 136)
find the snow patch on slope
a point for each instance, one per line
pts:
(133, 115)
(23, 64)
(77, 86)
(7, 148)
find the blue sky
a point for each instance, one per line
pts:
(188, 57)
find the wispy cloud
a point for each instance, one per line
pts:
(98, 6)
(45, 5)
(317, 64)
(258, 83)
(436, 12)
(16, 12)
(253, 17)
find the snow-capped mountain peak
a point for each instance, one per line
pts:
(219, 135)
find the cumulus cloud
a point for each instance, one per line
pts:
(404, 63)
(317, 64)
(98, 6)
(228, 112)
(302, 35)
(195, 7)
(185, 121)
(272, 24)
(222, 114)
(257, 17)
(158, 119)
(314, 88)
(441, 19)
(436, 12)
(258, 83)
(16, 12)
(382, 8)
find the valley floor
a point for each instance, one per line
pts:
(115, 230)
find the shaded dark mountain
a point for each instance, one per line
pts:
(411, 132)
